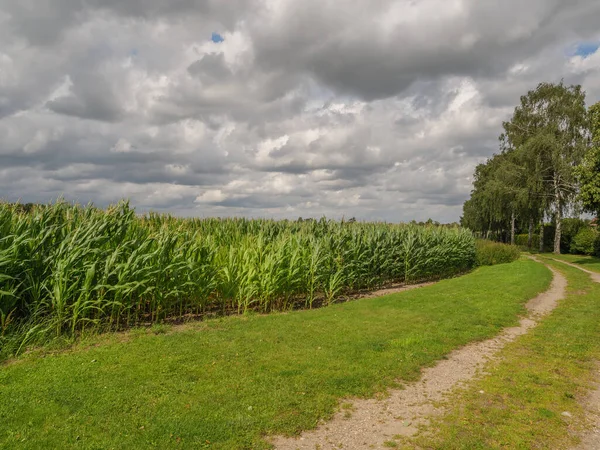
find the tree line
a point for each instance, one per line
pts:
(548, 165)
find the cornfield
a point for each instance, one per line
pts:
(65, 268)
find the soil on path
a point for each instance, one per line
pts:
(591, 439)
(373, 422)
(594, 275)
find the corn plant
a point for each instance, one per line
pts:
(66, 268)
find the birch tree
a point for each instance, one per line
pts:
(588, 173)
(550, 130)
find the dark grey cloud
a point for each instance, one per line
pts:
(380, 54)
(92, 97)
(43, 22)
(376, 110)
(211, 68)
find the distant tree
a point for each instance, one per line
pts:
(26, 208)
(495, 199)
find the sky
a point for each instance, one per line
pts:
(378, 110)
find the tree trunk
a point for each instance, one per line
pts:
(542, 236)
(558, 218)
(530, 235)
(512, 229)
(558, 232)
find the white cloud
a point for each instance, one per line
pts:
(374, 110)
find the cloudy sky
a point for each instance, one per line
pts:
(276, 108)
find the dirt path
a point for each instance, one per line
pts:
(595, 275)
(591, 439)
(373, 422)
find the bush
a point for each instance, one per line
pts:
(597, 246)
(570, 228)
(489, 253)
(584, 242)
(522, 240)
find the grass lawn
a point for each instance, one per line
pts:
(540, 376)
(227, 383)
(587, 262)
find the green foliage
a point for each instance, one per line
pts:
(589, 179)
(498, 191)
(588, 172)
(522, 240)
(570, 228)
(490, 253)
(65, 269)
(231, 381)
(534, 175)
(584, 242)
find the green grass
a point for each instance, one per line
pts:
(539, 376)
(227, 383)
(587, 262)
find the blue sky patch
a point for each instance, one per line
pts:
(216, 38)
(586, 48)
